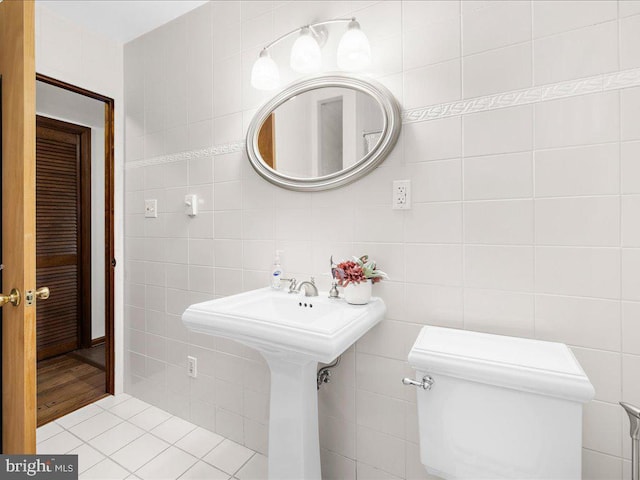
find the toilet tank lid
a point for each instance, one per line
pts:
(536, 366)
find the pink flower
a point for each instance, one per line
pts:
(357, 271)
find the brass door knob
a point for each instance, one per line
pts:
(42, 293)
(13, 298)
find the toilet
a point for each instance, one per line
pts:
(497, 407)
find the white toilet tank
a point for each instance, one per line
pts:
(499, 407)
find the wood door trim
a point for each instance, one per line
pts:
(17, 63)
(109, 116)
(72, 88)
(110, 255)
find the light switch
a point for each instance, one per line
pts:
(151, 208)
(191, 205)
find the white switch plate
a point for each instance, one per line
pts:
(151, 208)
(401, 194)
(191, 205)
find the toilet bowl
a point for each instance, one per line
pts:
(496, 407)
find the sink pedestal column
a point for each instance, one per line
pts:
(294, 447)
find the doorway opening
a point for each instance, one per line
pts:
(74, 247)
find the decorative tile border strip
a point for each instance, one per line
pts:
(572, 88)
(624, 79)
(188, 155)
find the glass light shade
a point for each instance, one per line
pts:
(305, 53)
(265, 74)
(354, 52)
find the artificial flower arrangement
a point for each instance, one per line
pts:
(356, 271)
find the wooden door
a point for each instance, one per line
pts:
(267, 141)
(63, 235)
(17, 67)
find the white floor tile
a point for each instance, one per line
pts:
(150, 418)
(169, 465)
(142, 444)
(59, 444)
(199, 442)
(95, 425)
(173, 429)
(114, 439)
(47, 431)
(202, 470)
(106, 469)
(228, 456)
(113, 400)
(87, 457)
(129, 408)
(254, 469)
(140, 451)
(78, 416)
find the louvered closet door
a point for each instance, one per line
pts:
(59, 237)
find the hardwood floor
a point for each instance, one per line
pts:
(66, 383)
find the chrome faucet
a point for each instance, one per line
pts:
(310, 289)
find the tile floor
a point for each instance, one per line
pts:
(122, 437)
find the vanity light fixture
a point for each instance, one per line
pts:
(354, 53)
(265, 74)
(306, 56)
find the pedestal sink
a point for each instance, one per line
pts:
(293, 333)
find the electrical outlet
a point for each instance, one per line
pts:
(401, 194)
(192, 366)
(151, 208)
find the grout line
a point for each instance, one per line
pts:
(244, 464)
(534, 198)
(621, 218)
(151, 459)
(463, 259)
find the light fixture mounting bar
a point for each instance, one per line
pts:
(310, 26)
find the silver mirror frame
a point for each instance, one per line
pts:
(390, 132)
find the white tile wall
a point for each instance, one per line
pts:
(518, 225)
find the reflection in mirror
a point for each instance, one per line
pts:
(320, 132)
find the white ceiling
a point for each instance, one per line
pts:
(121, 20)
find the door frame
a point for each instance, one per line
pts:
(110, 262)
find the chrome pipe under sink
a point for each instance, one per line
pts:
(634, 422)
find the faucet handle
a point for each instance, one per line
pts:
(333, 293)
(292, 283)
(313, 280)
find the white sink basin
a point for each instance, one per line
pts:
(276, 322)
(293, 333)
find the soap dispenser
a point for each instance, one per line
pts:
(276, 271)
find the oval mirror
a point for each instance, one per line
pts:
(323, 132)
